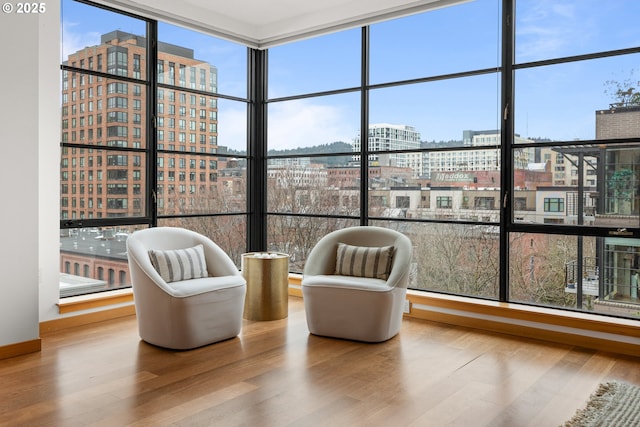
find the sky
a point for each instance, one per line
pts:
(557, 102)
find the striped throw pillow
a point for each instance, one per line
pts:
(362, 261)
(180, 264)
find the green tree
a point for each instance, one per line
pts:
(624, 92)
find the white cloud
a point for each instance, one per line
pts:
(73, 42)
(232, 126)
(550, 29)
(291, 125)
(304, 124)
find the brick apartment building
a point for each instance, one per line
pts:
(99, 111)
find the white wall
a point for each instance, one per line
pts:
(29, 119)
(19, 177)
(49, 161)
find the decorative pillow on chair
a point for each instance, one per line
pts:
(362, 261)
(180, 264)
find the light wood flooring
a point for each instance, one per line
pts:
(277, 374)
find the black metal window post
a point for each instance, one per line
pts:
(506, 141)
(257, 151)
(364, 129)
(152, 132)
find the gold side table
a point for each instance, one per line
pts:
(267, 276)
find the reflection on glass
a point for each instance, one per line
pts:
(313, 185)
(94, 259)
(327, 62)
(415, 46)
(580, 185)
(440, 112)
(595, 274)
(622, 185)
(452, 258)
(621, 271)
(297, 235)
(320, 124)
(101, 183)
(227, 231)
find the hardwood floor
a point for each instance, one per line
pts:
(277, 374)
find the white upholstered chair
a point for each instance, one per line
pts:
(187, 291)
(340, 300)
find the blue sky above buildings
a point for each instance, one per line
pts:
(557, 102)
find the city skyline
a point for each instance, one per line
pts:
(582, 185)
(550, 30)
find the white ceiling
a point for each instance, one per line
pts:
(265, 23)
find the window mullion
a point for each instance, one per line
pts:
(152, 134)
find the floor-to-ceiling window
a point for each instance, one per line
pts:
(154, 132)
(576, 103)
(501, 136)
(396, 125)
(314, 110)
(437, 75)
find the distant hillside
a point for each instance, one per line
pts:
(440, 144)
(343, 147)
(334, 147)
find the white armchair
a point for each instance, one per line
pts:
(357, 291)
(193, 296)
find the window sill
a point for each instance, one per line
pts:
(89, 301)
(118, 303)
(573, 328)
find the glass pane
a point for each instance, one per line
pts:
(452, 39)
(621, 189)
(96, 39)
(578, 100)
(458, 196)
(100, 111)
(191, 184)
(388, 137)
(94, 259)
(192, 60)
(297, 235)
(232, 127)
(227, 231)
(440, 111)
(319, 125)
(559, 28)
(321, 63)
(101, 183)
(190, 122)
(452, 258)
(313, 185)
(580, 185)
(553, 270)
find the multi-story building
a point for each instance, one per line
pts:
(565, 170)
(384, 139)
(483, 159)
(97, 111)
(379, 176)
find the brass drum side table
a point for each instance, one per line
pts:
(267, 276)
